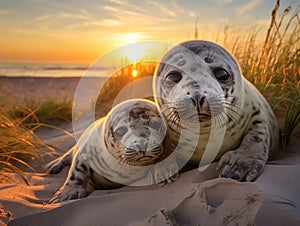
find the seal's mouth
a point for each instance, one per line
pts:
(140, 158)
(204, 117)
(132, 154)
(201, 117)
(144, 158)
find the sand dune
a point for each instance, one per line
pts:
(196, 198)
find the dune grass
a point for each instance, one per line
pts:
(36, 111)
(118, 81)
(273, 65)
(19, 146)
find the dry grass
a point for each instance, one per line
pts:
(20, 148)
(272, 63)
(274, 69)
(118, 81)
(50, 111)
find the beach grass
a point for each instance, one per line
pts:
(273, 66)
(18, 123)
(18, 147)
(36, 111)
(118, 81)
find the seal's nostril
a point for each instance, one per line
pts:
(194, 102)
(188, 93)
(201, 102)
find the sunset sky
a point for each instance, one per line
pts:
(81, 31)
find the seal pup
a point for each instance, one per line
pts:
(115, 150)
(206, 102)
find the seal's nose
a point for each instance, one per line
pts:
(140, 145)
(197, 99)
(202, 101)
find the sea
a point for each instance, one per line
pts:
(28, 69)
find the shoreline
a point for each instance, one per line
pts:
(21, 87)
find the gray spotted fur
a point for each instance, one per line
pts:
(252, 132)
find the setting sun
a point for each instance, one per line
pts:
(132, 37)
(134, 73)
(135, 51)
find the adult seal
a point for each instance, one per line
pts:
(115, 150)
(206, 101)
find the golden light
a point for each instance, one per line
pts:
(134, 73)
(132, 37)
(135, 52)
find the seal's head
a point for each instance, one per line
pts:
(197, 81)
(134, 132)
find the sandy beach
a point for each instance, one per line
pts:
(197, 198)
(42, 87)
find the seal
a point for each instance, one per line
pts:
(206, 102)
(115, 150)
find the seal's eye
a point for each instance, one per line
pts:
(156, 124)
(221, 74)
(120, 132)
(145, 116)
(173, 77)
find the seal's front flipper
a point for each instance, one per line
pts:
(247, 162)
(58, 164)
(165, 172)
(76, 185)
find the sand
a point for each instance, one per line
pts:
(197, 198)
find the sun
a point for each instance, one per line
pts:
(135, 52)
(134, 73)
(134, 49)
(132, 37)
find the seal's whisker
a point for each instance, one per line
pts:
(233, 112)
(219, 120)
(173, 120)
(168, 109)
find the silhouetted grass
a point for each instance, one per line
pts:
(274, 69)
(49, 111)
(272, 63)
(118, 81)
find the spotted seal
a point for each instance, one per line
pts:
(115, 150)
(201, 92)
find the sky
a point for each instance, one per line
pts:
(82, 31)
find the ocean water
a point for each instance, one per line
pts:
(18, 69)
